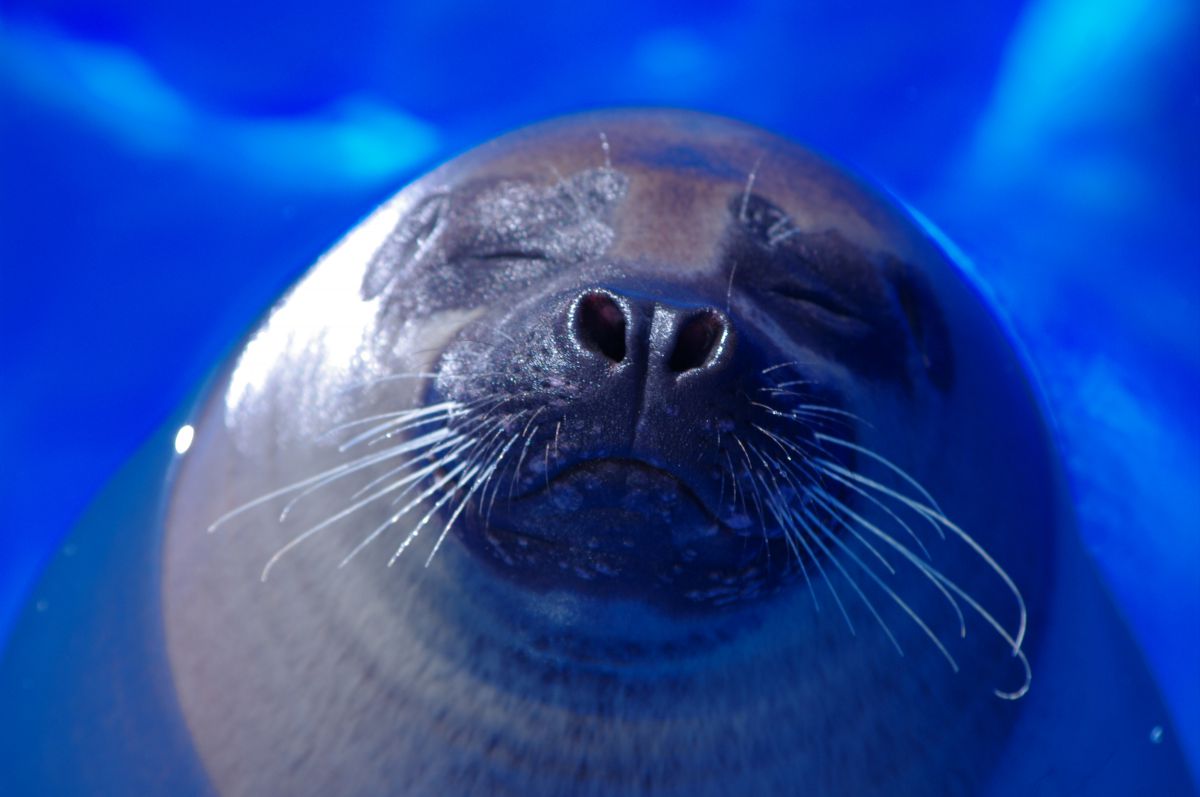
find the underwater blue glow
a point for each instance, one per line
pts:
(164, 174)
(350, 143)
(679, 61)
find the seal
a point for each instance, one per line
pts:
(640, 452)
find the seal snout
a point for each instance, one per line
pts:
(620, 440)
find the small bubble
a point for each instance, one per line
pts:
(1156, 734)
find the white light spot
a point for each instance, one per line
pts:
(1156, 734)
(183, 438)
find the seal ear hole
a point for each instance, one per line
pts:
(925, 323)
(600, 325)
(695, 341)
(405, 245)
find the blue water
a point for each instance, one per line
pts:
(166, 171)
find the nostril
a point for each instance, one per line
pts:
(600, 325)
(695, 341)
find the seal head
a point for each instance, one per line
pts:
(656, 417)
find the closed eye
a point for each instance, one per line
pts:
(509, 254)
(817, 299)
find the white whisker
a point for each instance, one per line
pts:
(804, 535)
(528, 435)
(783, 517)
(325, 476)
(481, 480)
(354, 507)
(1017, 639)
(435, 438)
(389, 378)
(924, 567)
(416, 530)
(884, 507)
(383, 416)
(887, 463)
(777, 366)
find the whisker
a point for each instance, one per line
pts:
(832, 505)
(472, 469)
(884, 507)
(833, 469)
(887, 463)
(389, 378)
(822, 496)
(926, 569)
(354, 507)
(496, 484)
(895, 597)
(733, 481)
(482, 480)
(1018, 638)
(327, 476)
(755, 494)
(487, 518)
(777, 366)
(783, 517)
(462, 450)
(383, 416)
(724, 475)
(413, 483)
(805, 412)
(449, 443)
(416, 444)
(803, 537)
(444, 411)
(529, 435)
(416, 530)
(483, 496)
(741, 217)
(846, 575)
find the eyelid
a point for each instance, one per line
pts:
(508, 254)
(814, 296)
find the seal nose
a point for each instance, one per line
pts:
(695, 340)
(679, 340)
(600, 324)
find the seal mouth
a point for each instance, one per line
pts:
(624, 525)
(610, 503)
(617, 483)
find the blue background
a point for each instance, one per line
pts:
(166, 171)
